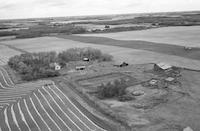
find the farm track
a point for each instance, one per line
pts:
(35, 107)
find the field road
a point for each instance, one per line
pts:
(39, 107)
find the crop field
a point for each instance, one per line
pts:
(183, 36)
(6, 53)
(132, 56)
(39, 106)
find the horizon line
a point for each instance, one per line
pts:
(49, 17)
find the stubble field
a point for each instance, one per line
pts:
(183, 35)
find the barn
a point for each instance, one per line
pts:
(162, 67)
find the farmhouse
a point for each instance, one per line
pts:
(162, 67)
(56, 66)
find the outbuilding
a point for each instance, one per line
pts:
(80, 67)
(86, 59)
(123, 64)
(153, 82)
(169, 79)
(162, 67)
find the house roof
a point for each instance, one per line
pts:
(164, 66)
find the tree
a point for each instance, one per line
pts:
(110, 90)
(34, 65)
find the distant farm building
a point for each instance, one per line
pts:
(56, 66)
(80, 67)
(123, 64)
(162, 67)
(187, 48)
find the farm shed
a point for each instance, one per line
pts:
(162, 67)
(80, 67)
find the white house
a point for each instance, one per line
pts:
(56, 66)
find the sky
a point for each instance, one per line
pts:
(10, 9)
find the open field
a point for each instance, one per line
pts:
(6, 53)
(39, 106)
(134, 56)
(183, 35)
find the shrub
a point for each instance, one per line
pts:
(116, 89)
(34, 65)
(106, 57)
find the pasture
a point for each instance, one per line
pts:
(6, 53)
(183, 35)
(132, 56)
